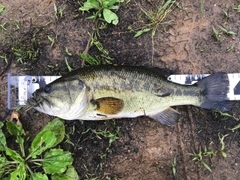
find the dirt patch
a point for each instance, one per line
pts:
(145, 149)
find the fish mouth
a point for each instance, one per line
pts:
(34, 102)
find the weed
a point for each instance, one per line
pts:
(16, 25)
(224, 114)
(89, 59)
(174, 164)
(2, 9)
(90, 176)
(199, 157)
(227, 31)
(221, 138)
(98, 45)
(226, 13)
(235, 128)
(202, 7)
(4, 57)
(24, 52)
(58, 12)
(51, 40)
(155, 17)
(41, 154)
(107, 134)
(103, 8)
(2, 26)
(68, 53)
(237, 8)
(104, 56)
(216, 34)
(68, 66)
(230, 48)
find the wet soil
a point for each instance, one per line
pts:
(145, 149)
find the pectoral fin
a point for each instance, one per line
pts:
(168, 117)
(109, 105)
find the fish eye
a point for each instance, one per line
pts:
(47, 89)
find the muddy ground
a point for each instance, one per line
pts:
(145, 149)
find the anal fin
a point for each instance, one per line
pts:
(167, 117)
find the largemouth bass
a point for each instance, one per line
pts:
(111, 92)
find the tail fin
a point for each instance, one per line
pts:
(214, 91)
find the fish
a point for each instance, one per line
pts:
(113, 92)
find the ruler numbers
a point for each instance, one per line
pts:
(190, 79)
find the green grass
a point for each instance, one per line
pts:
(155, 19)
(199, 157)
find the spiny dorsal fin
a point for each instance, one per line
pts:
(108, 105)
(168, 117)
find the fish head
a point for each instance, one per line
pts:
(65, 98)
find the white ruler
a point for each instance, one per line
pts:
(189, 79)
(20, 88)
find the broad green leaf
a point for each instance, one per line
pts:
(2, 9)
(57, 127)
(3, 143)
(110, 16)
(70, 174)
(140, 32)
(19, 173)
(89, 4)
(38, 176)
(43, 141)
(14, 155)
(14, 129)
(56, 161)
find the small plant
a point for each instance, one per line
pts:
(97, 60)
(216, 34)
(221, 138)
(225, 115)
(24, 53)
(199, 157)
(226, 13)
(174, 164)
(237, 8)
(2, 26)
(4, 57)
(235, 128)
(227, 31)
(51, 40)
(58, 12)
(155, 17)
(2, 9)
(68, 66)
(103, 8)
(42, 160)
(67, 51)
(230, 48)
(89, 59)
(202, 7)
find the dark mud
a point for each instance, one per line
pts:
(145, 149)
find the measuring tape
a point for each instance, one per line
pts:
(20, 88)
(190, 79)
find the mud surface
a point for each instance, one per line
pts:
(145, 149)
